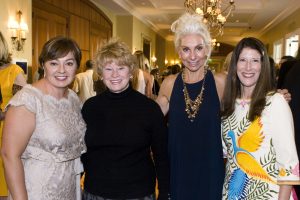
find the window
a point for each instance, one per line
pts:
(291, 45)
(277, 50)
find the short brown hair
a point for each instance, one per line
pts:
(59, 47)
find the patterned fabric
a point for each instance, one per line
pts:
(89, 196)
(51, 158)
(261, 155)
(8, 76)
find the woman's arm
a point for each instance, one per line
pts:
(159, 148)
(19, 82)
(281, 128)
(149, 83)
(16, 134)
(285, 192)
(220, 80)
(165, 93)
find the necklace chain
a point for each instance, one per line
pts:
(192, 106)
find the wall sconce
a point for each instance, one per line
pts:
(166, 62)
(18, 29)
(153, 59)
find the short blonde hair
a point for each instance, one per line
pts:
(5, 56)
(114, 51)
(191, 24)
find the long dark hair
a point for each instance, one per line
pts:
(233, 85)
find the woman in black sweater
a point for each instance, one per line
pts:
(126, 136)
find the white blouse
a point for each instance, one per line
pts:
(261, 155)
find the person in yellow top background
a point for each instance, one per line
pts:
(11, 78)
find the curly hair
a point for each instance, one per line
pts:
(114, 51)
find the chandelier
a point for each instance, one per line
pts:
(213, 14)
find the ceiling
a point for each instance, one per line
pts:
(249, 18)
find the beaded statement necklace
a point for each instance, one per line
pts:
(192, 106)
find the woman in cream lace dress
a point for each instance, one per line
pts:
(43, 132)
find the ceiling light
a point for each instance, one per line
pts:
(214, 12)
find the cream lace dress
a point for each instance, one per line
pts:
(52, 157)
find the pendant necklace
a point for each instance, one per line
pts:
(192, 106)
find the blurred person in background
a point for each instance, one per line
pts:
(142, 80)
(222, 75)
(12, 79)
(285, 64)
(156, 86)
(83, 84)
(292, 83)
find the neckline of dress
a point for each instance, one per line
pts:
(191, 84)
(243, 102)
(64, 99)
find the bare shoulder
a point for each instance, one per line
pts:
(220, 80)
(167, 85)
(165, 91)
(220, 77)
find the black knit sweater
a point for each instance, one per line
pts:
(122, 131)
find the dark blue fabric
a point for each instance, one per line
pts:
(195, 148)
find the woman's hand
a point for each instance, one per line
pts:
(285, 192)
(286, 94)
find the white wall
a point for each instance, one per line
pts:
(9, 9)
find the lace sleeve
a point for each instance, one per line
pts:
(25, 97)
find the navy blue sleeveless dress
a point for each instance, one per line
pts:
(195, 148)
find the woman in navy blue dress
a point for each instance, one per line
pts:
(191, 99)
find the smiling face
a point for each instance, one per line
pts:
(248, 70)
(192, 52)
(60, 72)
(115, 77)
